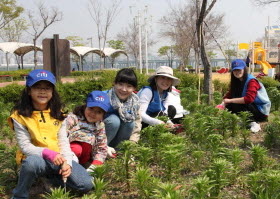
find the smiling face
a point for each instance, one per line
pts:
(238, 73)
(94, 114)
(163, 83)
(123, 90)
(41, 93)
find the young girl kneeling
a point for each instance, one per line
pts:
(87, 131)
(42, 139)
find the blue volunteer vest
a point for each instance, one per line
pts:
(262, 100)
(156, 104)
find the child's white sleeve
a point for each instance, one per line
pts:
(24, 140)
(63, 144)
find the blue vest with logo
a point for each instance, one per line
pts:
(262, 100)
(156, 104)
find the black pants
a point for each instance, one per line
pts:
(171, 112)
(252, 108)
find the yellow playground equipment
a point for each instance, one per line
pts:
(260, 59)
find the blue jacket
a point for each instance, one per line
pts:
(156, 104)
(262, 100)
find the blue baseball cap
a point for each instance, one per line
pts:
(238, 64)
(39, 75)
(98, 99)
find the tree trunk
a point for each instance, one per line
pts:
(207, 83)
(35, 54)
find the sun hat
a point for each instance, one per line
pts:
(39, 75)
(98, 99)
(167, 72)
(238, 64)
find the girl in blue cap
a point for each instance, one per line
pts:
(246, 93)
(86, 130)
(45, 151)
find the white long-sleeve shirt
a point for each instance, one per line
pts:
(145, 98)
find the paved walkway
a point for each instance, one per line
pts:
(64, 80)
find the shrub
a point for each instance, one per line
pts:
(269, 82)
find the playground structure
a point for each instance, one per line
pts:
(260, 58)
(266, 54)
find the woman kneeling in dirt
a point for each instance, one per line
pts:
(246, 93)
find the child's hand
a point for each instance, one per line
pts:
(59, 159)
(65, 170)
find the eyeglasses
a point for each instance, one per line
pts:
(45, 89)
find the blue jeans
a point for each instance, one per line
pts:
(117, 130)
(35, 166)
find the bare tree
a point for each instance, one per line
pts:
(103, 17)
(180, 26)
(40, 23)
(202, 12)
(130, 38)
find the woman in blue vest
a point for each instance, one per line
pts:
(246, 93)
(152, 97)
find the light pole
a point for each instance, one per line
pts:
(146, 38)
(90, 38)
(140, 42)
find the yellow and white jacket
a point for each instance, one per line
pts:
(38, 132)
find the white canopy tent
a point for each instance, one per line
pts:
(17, 48)
(110, 52)
(82, 51)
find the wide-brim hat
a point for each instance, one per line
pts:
(167, 72)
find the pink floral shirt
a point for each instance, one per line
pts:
(78, 129)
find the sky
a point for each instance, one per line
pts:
(245, 21)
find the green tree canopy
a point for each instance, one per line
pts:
(9, 10)
(76, 40)
(116, 44)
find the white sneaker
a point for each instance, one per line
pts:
(91, 168)
(255, 127)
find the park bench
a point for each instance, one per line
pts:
(24, 76)
(6, 77)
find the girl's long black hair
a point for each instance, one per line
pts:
(237, 85)
(25, 107)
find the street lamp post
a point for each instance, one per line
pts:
(146, 38)
(91, 45)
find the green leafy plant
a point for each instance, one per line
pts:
(259, 156)
(198, 158)
(219, 173)
(127, 149)
(144, 182)
(58, 193)
(144, 155)
(265, 184)
(167, 191)
(200, 188)
(100, 186)
(214, 141)
(272, 136)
